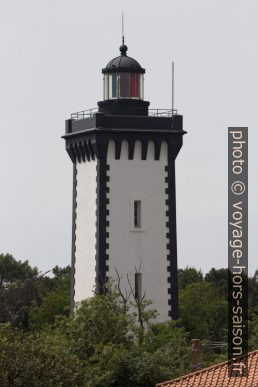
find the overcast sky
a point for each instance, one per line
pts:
(52, 53)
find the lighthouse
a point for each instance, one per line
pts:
(124, 200)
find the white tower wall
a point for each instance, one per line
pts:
(143, 248)
(85, 230)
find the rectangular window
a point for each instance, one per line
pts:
(138, 286)
(105, 86)
(135, 85)
(112, 86)
(137, 213)
(124, 85)
(141, 87)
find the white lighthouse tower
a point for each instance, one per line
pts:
(124, 207)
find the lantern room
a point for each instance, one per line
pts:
(123, 86)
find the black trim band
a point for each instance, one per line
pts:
(101, 218)
(81, 150)
(73, 236)
(172, 237)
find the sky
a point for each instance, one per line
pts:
(52, 53)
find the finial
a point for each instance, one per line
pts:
(123, 38)
(123, 47)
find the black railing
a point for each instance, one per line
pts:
(162, 112)
(152, 112)
(84, 114)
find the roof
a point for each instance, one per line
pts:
(217, 376)
(123, 63)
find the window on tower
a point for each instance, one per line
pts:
(137, 213)
(138, 286)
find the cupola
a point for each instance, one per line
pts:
(123, 86)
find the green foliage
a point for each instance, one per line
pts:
(159, 334)
(219, 278)
(253, 329)
(29, 299)
(116, 366)
(16, 300)
(109, 340)
(253, 290)
(12, 271)
(214, 357)
(203, 311)
(17, 290)
(37, 360)
(99, 320)
(188, 276)
(54, 304)
(106, 339)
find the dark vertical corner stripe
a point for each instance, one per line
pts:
(73, 236)
(118, 145)
(144, 150)
(172, 236)
(81, 150)
(131, 145)
(86, 150)
(157, 147)
(91, 151)
(101, 223)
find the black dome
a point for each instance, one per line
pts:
(123, 63)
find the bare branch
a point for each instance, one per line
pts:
(125, 297)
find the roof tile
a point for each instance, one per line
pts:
(217, 376)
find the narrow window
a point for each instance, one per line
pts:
(124, 85)
(134, 78)
(141, 86)
(105, 86)
(112, 86)
(137, 213)
(138, 286)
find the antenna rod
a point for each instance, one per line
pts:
(123, 38)
(173, 88)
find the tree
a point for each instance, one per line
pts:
(18, 290)
(54, 304)
(253, 329)
(25, 293)
(117, 366)
(143, 314)
(37, 360)
(100, 320)
(16, 300)
(188, 276)
(219, 278)
(253, 290)
(111, 339)
(203, 311)
(107, 340)
(12, 271)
